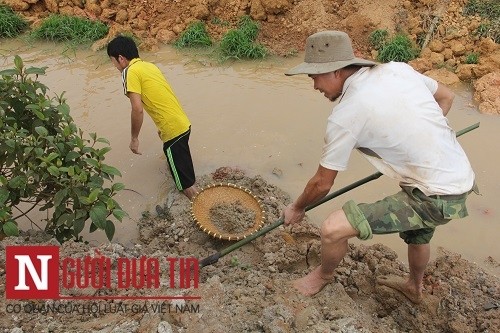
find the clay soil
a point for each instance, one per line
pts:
(248, 289)
(448, 35)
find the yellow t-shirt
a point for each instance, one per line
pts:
(157, 97)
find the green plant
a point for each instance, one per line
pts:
(482, 29)
(194, 36)
(47, 164)
(399, 48)
(62, 28)
(248, 27)
(240, 43)
(11, 24)
(472, 58)
(378, 38)
(487, 9)
(234, 261)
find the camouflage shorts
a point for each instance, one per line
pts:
(409, 212)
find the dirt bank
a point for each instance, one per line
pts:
(248, 290)
(449, 35)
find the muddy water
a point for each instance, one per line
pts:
(249, 115)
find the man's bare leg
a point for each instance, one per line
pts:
(418, 257)
(335, 232)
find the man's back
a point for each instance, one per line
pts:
(157, 96)
(389, 112)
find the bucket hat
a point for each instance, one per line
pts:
(327, 51)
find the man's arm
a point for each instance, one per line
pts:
(317, 188)
(444, 97)
(136, 118)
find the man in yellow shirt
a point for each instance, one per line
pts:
(147, 89)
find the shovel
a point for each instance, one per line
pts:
(212, 259)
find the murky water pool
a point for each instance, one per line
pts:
(250, 115)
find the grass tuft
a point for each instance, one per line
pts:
(195, 35)
(11, 23)
(240, 43)
(472, 58)
(378, 38)
(399, 48)
(63, 28)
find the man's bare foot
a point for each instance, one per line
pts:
(190, 192)
(312, 283)
(402, 286)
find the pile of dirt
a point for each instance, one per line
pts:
(249, 289)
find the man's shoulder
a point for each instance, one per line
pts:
(392, 66)
(138, 64)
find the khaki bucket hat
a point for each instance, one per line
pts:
(327, 51)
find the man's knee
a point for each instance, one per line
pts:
(336, 228)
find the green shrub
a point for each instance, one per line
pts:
(240, 43)
(63, 28)
(399, 48)
(47, 164)
(472, 58)
(194, 36)
(378, 38)
(11, 24)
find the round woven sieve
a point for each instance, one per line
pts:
(225, 193)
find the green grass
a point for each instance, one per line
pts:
(11, 24)
(483, 29)
(240, 43)
(399, 48)
(472, 58)
(237, 43)
(248, 27)
(378, 38)
(491, 30)
(194, 36)
(487, 9)
(63, 28)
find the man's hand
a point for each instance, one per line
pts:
(134, 146)
(317, 187)
(293, 215)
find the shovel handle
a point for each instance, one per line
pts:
(215, 257)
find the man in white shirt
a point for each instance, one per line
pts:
(395, 117)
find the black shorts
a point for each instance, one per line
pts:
(179, 160)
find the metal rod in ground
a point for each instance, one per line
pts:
(216, 256)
